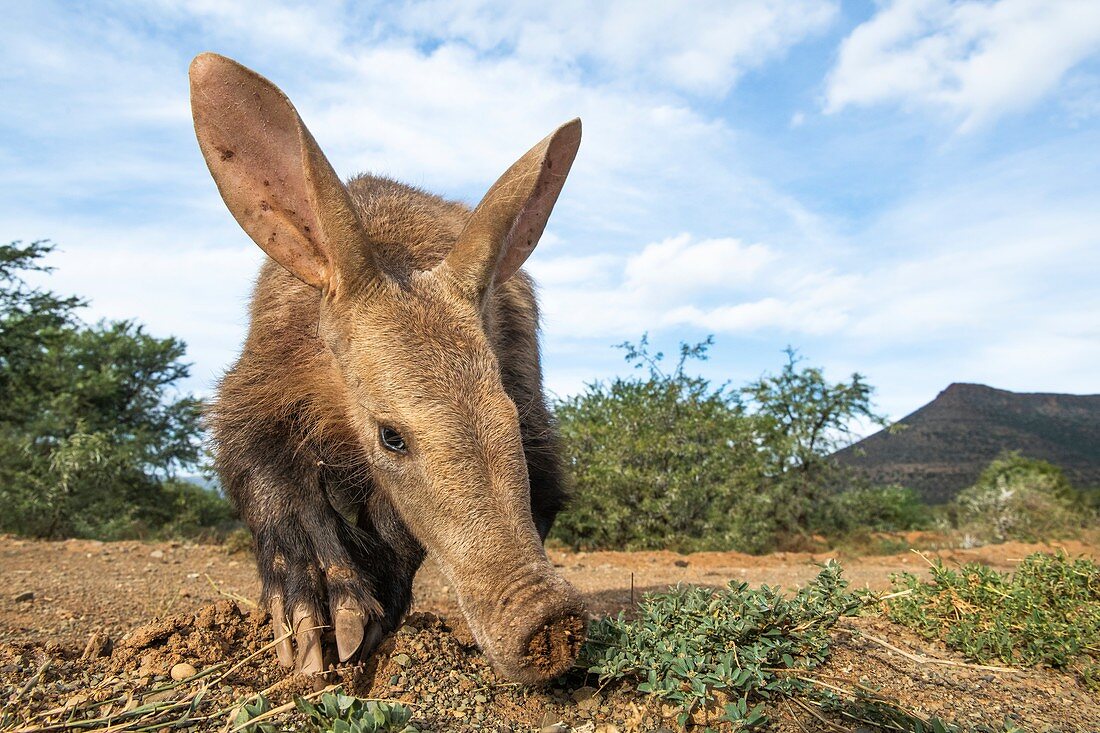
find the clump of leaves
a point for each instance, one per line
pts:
(727, 650)
(1047, 612)
(251, 710)
(337, 712)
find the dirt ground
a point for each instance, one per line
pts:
(82, 621)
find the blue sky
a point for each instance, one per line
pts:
(909, 189)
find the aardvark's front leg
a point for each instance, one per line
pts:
(320, 572)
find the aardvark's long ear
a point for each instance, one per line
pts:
(507, 224)
(273, 176)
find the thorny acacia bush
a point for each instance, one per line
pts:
(659, 462)
(1019, 498)
(1046, 612)
(666, 460)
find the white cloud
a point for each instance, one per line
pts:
(974, 61)
(105, 163)
(919, 283)
(678, 266)
(697, 46)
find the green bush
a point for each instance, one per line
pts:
(877, 509)
(1047, 612)
(91, 427)
(656, 462)
(1018, 498)
(666, 460)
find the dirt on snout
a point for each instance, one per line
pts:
(105, 633)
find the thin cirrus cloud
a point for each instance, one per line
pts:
(687, 212)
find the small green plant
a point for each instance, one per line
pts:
(251, 710)
(1047, 612)
(727, 650)
(337, 712)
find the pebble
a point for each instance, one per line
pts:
(27, 595)
(156, 554)
(584, 693)
(182, 671)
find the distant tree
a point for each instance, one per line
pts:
(92, 431)
(801, 419)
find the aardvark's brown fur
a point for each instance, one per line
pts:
(387, 311)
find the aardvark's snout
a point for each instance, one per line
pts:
(532, 627)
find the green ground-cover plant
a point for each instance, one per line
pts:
(725, 656)
(726, 653)
(1046, 612)
(334, 712)
(730, 649)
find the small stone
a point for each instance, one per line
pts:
(182, 671)
(402, 660)
(99, 645)
(584, 693)
(681, 563)
(480, 698)
(554, 728)
(27, 595)
(157, 554)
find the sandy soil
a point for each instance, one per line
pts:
(56, 596)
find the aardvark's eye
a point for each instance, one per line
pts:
(392, 440)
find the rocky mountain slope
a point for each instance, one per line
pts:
(944, 445)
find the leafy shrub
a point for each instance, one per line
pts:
(191, 510)
(1047, 612)
(91, 429)
(666, 460)
(1018, 498)
(878, 509)
(662, 461)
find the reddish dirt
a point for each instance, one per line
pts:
(112, 619)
